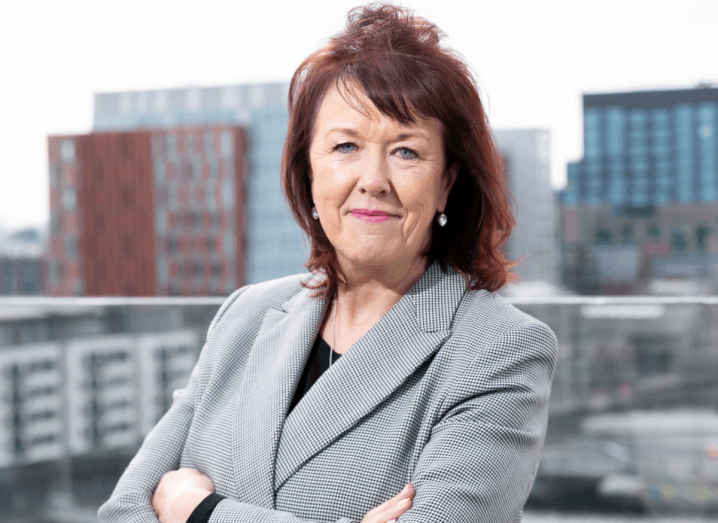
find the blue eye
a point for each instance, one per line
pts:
(346, 147)
(406, 154)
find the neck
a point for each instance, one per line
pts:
(369, 292)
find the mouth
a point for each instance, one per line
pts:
(370, 216)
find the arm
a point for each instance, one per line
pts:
(482, 457)
(131, 501)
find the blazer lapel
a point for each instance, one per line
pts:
(272, 371)
(374, 367)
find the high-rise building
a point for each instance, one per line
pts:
(526, 155)
(647, 148)
(274, 245)
(144, 213)
(21, 264)
(640, 212)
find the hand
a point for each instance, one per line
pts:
(178, 494)
(388, 511)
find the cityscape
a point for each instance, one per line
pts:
(175, 194)
(172, 200)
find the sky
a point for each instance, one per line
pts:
(533, 60)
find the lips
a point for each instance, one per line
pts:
(367, 215)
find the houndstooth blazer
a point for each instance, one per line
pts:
(448, 391)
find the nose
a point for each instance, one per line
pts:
(374, 174)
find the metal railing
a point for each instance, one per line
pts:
(633, 419)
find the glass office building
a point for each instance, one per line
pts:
(274, 244)
(647, 148)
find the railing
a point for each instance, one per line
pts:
(633, 422)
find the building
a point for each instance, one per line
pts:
(640, 212)
(144, 213)
(274, 244)
(81, 386)
(21, 263)
(526, 155)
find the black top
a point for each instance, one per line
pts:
(317, 363)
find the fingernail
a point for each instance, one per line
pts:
(405, 501)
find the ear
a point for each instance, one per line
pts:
(449, 179)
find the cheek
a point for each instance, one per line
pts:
(422, 196)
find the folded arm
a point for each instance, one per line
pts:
(481, 460)
(131, 500)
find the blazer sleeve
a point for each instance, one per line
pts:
(481, 459)
(131, 500)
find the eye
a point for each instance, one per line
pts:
(406, 154)
(347, 147)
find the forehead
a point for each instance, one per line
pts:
(347, 104)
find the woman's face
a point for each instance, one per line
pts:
(377, 184)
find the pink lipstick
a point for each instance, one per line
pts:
(370, 216)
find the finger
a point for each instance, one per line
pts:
(392, 512)
(408, 491)
(392, 509)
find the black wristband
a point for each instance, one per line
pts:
(204, 510)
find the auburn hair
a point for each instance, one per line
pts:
(398, 60)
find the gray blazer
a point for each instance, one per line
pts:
(448, 391)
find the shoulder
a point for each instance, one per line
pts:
(490, 325)
(253, 300)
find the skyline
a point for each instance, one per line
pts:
(533, 63)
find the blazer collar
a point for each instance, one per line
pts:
(376, 365)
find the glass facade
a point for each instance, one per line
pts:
(650, 148)
(275, 244)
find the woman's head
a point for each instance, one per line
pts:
(390, 66)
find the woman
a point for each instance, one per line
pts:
(391, 382)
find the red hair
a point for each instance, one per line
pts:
(399, 62)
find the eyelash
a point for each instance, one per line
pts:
(413, 153)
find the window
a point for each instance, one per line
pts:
(67, 151)
(158, 170)
(603, 236)
(615, 132)
(702, 234)
(196, 169)
(653, 231)
(227, 194)
(172, 200)
(71, 250)
(226, 145)
(171, 146)
(627, 233)
(161, 221)
(69, 199)
(679, 240)
(208, 144)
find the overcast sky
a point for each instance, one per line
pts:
(533, 58)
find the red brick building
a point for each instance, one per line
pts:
(146, 213)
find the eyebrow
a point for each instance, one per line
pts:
(399, 137)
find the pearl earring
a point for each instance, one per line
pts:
(442, 219)
(315, 214)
